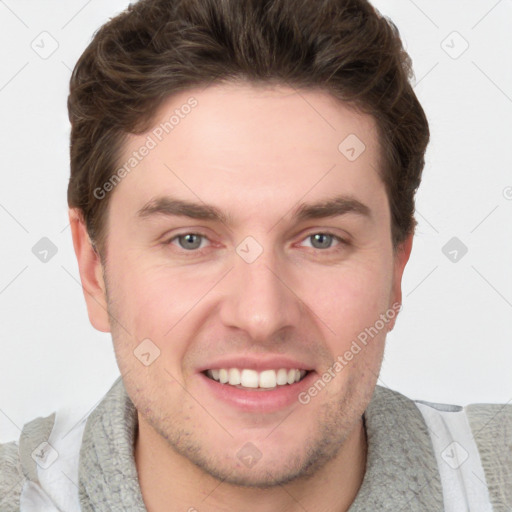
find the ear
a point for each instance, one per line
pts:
(401, 257)
(91, 272)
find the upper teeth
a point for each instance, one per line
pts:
(253, 379)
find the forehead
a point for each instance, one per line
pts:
(246, 144)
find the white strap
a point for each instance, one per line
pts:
(460, 468)
(57, 470)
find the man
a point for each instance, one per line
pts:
(241, 203)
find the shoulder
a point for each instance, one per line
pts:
(38, 470)
(11, 477)
(18, 460)
(485, 419)
(491, 427)
(488, 422)
(473, 444)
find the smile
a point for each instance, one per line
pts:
(251, 379)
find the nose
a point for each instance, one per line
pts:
(260, 298)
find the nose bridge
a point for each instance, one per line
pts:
(258, 299)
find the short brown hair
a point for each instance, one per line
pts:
(156, 48)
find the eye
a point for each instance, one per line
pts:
(192, 242)
(323, 240)
(188, 241)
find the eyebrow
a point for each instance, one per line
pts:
(333, 207)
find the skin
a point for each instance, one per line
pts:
(254, 153)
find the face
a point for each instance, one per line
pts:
(246, 242)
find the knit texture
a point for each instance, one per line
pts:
(492, 429)
(401, 472)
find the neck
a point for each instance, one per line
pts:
(170, 482)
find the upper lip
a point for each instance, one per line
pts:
(258, 363)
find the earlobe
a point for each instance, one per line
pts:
(401, 258)
(91, 272)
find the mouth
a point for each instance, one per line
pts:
(250, 383)
(252, 380)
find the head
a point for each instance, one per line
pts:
(294, 130)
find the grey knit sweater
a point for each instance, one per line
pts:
(406, 468)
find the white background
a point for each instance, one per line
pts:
(453, 339)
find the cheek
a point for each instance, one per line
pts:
(149, 309)
(349, 300)
(349, 304)
(151, 297)
(154, 303)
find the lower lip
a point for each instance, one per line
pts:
(259, 400)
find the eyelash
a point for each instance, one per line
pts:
(342, 242)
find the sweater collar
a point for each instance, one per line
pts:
(401, 470)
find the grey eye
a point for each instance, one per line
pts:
(191, 241)
(324, 240)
